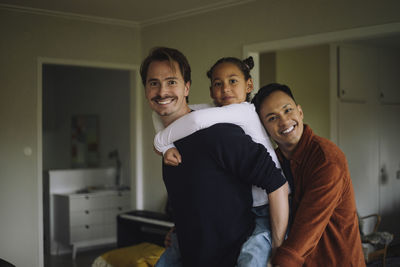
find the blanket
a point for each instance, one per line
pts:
(141, 255)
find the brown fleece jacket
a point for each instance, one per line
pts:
(325, 226)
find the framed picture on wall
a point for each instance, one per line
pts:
(85, 141)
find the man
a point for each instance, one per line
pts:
(324, 231)
(210, 191)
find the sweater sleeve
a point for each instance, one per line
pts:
(237, 114)
(320, 198)
(157, 124)
(159, 127)
(249, 161)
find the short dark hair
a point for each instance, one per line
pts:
(166, 54)
(244, 66)
(266, 90)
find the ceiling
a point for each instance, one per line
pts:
(138, 13)
(134, 12)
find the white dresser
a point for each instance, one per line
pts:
(88, 219)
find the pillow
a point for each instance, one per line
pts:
(141, 255)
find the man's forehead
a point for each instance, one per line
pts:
(276, 101)
(164, 67)
(279, 97)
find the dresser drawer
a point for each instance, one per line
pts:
(118, 199)
(110, 230)
(87, 202)
(86, 233)
(83, 217)
(89, 218)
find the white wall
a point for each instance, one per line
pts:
(306, 72)
(24, 38)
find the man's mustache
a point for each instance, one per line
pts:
(157, 98)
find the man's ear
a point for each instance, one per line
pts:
(249, 85)
(300, 111)
(187, 88)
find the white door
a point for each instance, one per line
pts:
(389, 76)
(357, 73)
(389, 186)
(358, 139)
(368, 130)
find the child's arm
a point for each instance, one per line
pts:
(158, 125)
(195, 121)
(171, 156)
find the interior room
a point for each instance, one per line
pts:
(68, 100)
(61, 62)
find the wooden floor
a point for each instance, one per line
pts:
(86, 258)
(394, 251)
(393, 258)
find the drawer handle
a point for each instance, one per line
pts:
(86, 211)
(119, 208)
(87, 197)
(87, 226)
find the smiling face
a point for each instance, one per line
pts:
(283, 120)
(166, 91)
(228, 85)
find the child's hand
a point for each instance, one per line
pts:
(172, 157)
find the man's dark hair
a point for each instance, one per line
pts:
(166, 54)
(266, 90)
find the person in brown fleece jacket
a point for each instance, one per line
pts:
(324, 229)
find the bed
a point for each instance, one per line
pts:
(140, 238)
(140, 255)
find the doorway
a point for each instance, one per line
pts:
(104, 91)
(373, 194)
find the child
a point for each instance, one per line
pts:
(231, 85)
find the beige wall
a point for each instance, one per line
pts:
(24, 38)
(306, 72)
(267, 68)
(203, 38)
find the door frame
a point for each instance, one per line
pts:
(330, 38)
(136, 130)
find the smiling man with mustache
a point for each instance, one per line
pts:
(166, 90)
(210, 191)
(324, 230)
